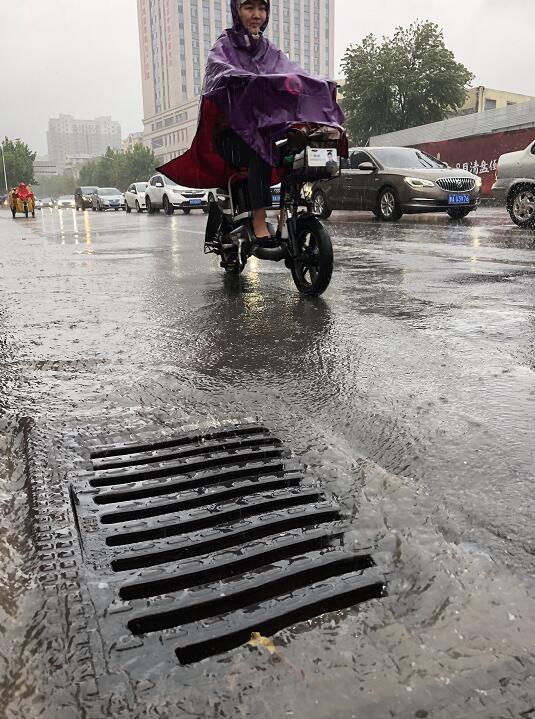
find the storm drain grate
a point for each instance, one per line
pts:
(212, 535)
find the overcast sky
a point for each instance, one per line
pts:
(82, 58)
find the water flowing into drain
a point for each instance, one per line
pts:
(213, 535)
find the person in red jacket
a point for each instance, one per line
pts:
(23, 191)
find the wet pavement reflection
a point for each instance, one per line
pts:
(409, 388)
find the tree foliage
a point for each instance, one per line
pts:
(54, 185)
(119, 169)
(407, 80)
(19, 162)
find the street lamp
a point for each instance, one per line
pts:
(4, 163)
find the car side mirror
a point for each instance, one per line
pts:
(158, 184)
(134, 191)
(367, 167)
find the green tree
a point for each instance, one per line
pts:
(407, 80)
(119, 169)
(54, 185)
(19, 161)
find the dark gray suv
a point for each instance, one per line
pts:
(391, 181)
(82, 197)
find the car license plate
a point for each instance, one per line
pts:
(275, 198)
(195, 202)
(459, 200)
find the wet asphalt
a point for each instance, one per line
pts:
(409, 387)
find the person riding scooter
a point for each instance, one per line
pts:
(252, 95)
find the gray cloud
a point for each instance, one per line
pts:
(70, 56)
(82, 58)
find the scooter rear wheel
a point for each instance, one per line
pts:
(313, 268)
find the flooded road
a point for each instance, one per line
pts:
(409, 388)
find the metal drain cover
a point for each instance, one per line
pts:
(201, 538)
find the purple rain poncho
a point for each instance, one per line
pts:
(251, 86)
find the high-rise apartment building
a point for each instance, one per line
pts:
(71, 138)
(175, 39)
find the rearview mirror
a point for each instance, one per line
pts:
(367, 167)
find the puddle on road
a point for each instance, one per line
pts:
(21, 618)
(337, 381)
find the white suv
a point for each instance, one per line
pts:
(163, 193)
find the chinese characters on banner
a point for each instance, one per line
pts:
(478, 168)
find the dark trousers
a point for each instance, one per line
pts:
(238, 154)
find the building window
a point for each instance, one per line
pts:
(490, 104)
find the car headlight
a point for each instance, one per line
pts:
(479, 182)
(417, 183)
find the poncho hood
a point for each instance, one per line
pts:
(259, 93)
(239, 35)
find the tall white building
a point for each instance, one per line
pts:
(175, 37)
(71, 138)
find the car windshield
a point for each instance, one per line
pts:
(406, 158)
(87, 190)
(141, 186)
(108, 191)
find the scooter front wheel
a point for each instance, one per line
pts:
(312, 269)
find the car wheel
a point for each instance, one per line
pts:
(521, 206)
(167, 206)
(388, 207)
(458, 213)
(186, 211)
(93, 208)
(320, 206)
(138, 208)
(128, 208)
(150, 208)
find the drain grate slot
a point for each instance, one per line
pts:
(108, 478)
(285, 577)
(211, 496)
(249, 559)
(187, 451)
(114, 450)
(247, 532)
(249, 508)
(199, 481)
(211, 535)
(233, 630)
